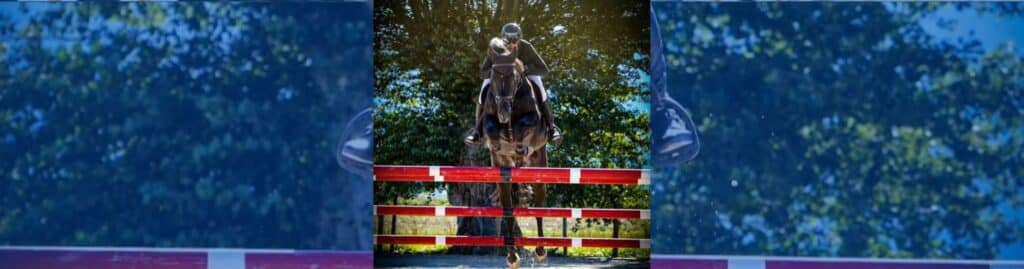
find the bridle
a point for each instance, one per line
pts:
(502, 70)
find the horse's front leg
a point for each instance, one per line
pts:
(505, 195)
(538, 201)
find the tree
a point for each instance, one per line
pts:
(840, 129)
(427, 57)
(181, 125)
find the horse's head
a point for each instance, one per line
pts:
(505, 77)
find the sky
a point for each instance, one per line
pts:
(990, 29)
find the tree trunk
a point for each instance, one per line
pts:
(474, 194)
(615, 234)
(565, 222)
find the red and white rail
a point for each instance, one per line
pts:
(462, 211)
(404, 173)
(534, 175)
(498, 241)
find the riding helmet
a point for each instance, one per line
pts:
(512, 32)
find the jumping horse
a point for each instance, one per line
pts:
(515, 134)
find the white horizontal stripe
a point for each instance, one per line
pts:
(577, 213)
(743, 263)
(574, 176)
(645, 177)
(225, 260)
(439, 211)
(439, 240)
(837, 259)
(645, 214)
(577, 242)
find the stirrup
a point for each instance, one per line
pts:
(555, 135)
(472, 139)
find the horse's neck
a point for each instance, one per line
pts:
(525, 90)
(526, 98)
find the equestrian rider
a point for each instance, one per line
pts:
(535, 68)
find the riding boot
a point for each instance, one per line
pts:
(474, 135)
(554, 134)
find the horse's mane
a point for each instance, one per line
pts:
(499, 47)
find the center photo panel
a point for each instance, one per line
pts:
(511, 133)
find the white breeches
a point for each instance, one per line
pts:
(540, 84)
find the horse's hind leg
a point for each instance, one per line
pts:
(505, 195)
(540, 159)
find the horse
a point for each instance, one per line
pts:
(514, 133)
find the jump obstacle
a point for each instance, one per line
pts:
(401, 173)
(30, 257)
(498, 241)
(462, 211)
(521, 175)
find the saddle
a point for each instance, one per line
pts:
(536, 92)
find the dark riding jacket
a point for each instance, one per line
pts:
(525, 52)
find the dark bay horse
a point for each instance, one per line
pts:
(514, 132)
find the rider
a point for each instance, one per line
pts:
(535, 68)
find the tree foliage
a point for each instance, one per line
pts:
(841, 129)
(181, 124)
(427, 58)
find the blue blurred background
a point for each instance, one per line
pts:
(845, 129)
(186, 125)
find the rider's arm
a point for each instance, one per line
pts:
(535, 65)
(485, 68)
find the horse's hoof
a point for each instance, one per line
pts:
(521, 150)
(541, 254)
(513, 261)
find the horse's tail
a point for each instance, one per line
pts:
(499, 46)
